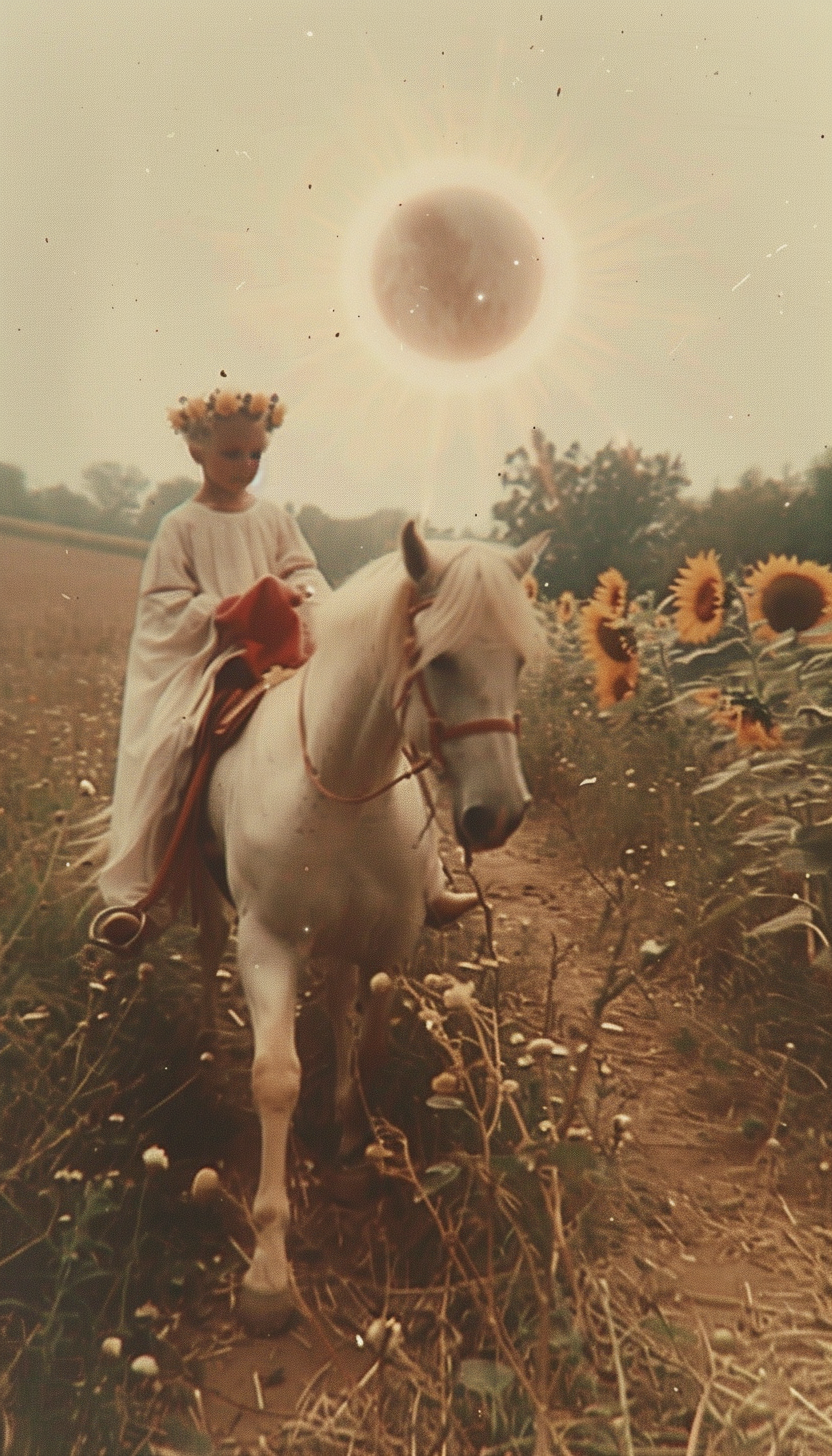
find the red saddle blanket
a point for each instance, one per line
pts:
(267, 630)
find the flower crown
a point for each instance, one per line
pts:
(195, 417)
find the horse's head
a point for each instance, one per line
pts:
(473, 626)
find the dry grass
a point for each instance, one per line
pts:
(533, 1292)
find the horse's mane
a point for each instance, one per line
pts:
(477, 592)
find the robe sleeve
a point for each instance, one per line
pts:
(296, 565)
(175, 643)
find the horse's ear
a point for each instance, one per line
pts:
(417, 558)
(525, 558)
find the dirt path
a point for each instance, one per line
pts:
(721, 1242)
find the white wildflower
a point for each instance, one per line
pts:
(460, 996)
(510, 1088)
(381, 983)
(445, 1084)
(205, 1185)
(384, 1336)
(111, 1347)
(145, 1365)
(146, 1311)
(155, 1158)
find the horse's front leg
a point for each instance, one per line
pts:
(357, 1060)
(268, 971)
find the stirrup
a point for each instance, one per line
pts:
(118, 928)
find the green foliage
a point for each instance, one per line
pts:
(116, 491)
(64, 507)
(14, 497)
(624, 509)
(787, 516)
(618, 508)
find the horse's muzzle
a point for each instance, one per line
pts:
(481, 826)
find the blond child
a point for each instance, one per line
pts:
(218, 545)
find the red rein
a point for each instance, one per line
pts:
(439, 731)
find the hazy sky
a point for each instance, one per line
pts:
(198, 187)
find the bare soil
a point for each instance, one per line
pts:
(731, 1243)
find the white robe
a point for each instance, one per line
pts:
(199, 557)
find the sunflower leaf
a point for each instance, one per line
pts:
(797, 861)
(725, 775)
(818, 736)
(800, 915)
(684, 659)
(776, 829)
(774, 765)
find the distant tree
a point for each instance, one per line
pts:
(617, 508)
(745, 523)
(65, 507)
(15, 499)
(164, 497)
(116, 490)
(341, 546)
(811, 512)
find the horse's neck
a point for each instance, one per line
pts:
(353, 735)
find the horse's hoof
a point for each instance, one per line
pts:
(352, 1184)
(265, 1312)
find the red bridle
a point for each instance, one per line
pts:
(439, 731)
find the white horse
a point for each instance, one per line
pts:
(322, 823)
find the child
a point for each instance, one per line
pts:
(207, 552)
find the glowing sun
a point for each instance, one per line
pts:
(457, 274)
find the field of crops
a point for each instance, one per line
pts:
(661, 957)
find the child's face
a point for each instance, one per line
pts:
(230, 457)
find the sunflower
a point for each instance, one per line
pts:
(604, 640)
(615, 681)
(566, 607)
(784, 593)
(699, 594)
(611, 592)
(746, 716)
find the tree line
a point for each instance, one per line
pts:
(116, 500)
(618, 507)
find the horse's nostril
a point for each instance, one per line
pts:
(479, 823)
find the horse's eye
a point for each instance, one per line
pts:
(443, 662)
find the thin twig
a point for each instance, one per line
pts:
(626, 1433)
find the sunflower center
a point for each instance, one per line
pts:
(617, 642)
(792, 601)
(621, 687)
(708, 601)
